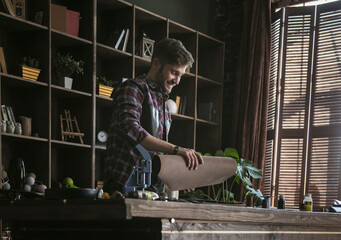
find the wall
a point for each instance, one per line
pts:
(198, 15)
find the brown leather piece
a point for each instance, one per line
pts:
(175, 174)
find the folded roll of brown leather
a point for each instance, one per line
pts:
(175, 174)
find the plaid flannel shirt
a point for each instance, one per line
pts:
(128, 106)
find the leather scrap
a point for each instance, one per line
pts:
(175, 174)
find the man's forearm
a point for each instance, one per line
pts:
(152, 143)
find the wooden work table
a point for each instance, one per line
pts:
(134, 218)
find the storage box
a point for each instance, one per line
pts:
(72, 22)
(64, 20)
(58, 17)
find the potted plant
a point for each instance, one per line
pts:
(245, 170)
(223, 192)
(30, 68)
(105, 86)
(67, 68)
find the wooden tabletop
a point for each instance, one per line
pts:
(138, 208)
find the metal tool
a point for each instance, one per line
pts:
(140, 177)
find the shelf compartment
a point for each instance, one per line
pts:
(210, 58)
(27, 99)
(209, 102)
(182, 133)
(153, 25)
(111, 20)
(80, 107)
(207, 137)
(19, 44)
(34, 154)
(68, 160)
(186, 91)
(113, 64)
(85, 9)
(79, 50)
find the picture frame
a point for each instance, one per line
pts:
(38, 17)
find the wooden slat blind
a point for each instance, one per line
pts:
(308, 140)
(275, 51)
(327, 100)
(268, 168)
(290, 171)
(296, 70)
(324, 173)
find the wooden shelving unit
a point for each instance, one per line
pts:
(44, 100)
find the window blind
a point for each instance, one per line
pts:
(308, 119)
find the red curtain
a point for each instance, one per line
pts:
(251, 88)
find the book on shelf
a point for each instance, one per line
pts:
(11, 113)
(177, 102)
(4, 113)
(119, 40)
(183, 103)
(126, 38)
(8, 5)
(3, 60)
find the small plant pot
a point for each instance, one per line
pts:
(68, 82)
(30, 73)
(105, 91)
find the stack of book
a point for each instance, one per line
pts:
(119, 39)
(181, 102)
(7, 113)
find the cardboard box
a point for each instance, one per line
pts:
(72, 22)
(58, 17)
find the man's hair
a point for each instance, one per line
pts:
(172, 51)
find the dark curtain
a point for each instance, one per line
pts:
(251, 87)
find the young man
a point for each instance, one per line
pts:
(140, 115)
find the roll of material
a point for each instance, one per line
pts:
(175, 174)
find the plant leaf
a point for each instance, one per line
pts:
(219, 153)
(251, 169)
(257, 195)
(231, 152)
(207, 154)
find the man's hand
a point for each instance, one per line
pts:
(192, 157)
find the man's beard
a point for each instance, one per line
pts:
(160, 79)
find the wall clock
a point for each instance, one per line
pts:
(102, 136)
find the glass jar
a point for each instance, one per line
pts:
(308, 203)
(281, 202)
(6, 234)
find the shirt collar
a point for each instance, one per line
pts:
(156, 87)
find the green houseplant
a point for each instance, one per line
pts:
(245, 170)
(30, 68)
(224, 192)
(68, 67)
